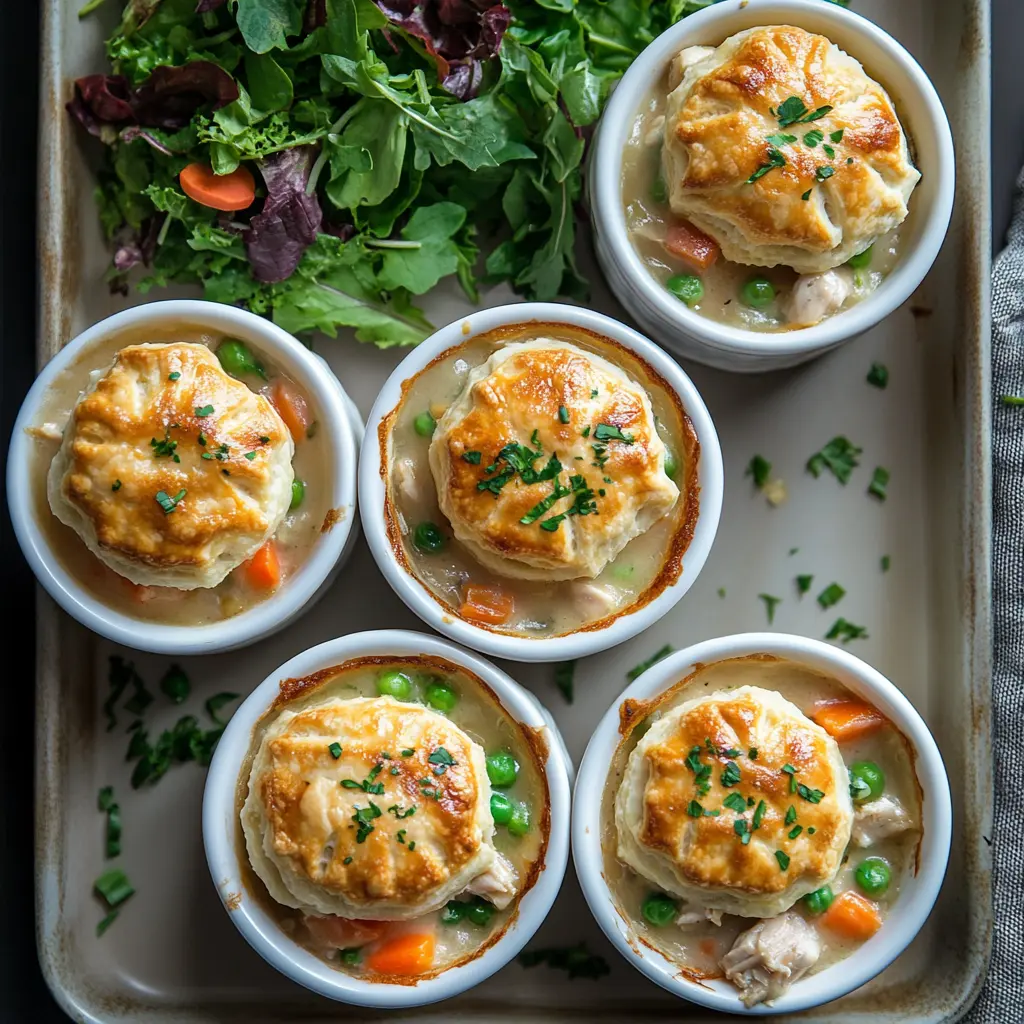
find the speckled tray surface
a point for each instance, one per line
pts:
(174, 956)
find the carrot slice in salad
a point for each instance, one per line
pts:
(846, 720)
(408, 954)
(490, 605)
(852, 916)
(688, 243)
(234, 191)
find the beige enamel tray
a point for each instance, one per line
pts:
(174, 956)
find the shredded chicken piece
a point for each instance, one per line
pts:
(691, 917)
(685, 59)
(45, 432)
(815, 296)
(879, 819)
(766, 959)
(594, 599)
(497, 883)
(405, 477)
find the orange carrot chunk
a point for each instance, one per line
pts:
(852, 916)
(688, 243)
(490, 605)
(846, 720)
(292, 408)
(234, 191)
(405, 955)
(263, 570)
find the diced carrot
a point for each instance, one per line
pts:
(486, 604)
(411, 953)
(688, 243)
(234, 191)
(263, 570)
(709, 947)
(852, 916)
(846, 720)
(292, 408)
(344, 932)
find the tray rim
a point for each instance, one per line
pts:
(55, 217)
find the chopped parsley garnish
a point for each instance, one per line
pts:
(721, 592)
(837, 135)
(105, 802)
(545, 504)
(831, 595)
(813, 137)
(593, 392)
(807, 195)
(770, 604)
(752, 753)
(576, 960)
(694, 809)
(773, 159)
(175, 684)
(163, 448)
(114, 887)
(116, 485)
(758, 469)
(878, 375)
(400, 836)
(846, 631)
(347, 860)
(518, 459)
(742, 828)
(849, 160)
(363, 818)
(264, 439)
(174, 376)
(730, 774)
(106, 922)
(367, 785)
(839, 456)
(399, 813)
(813, 796)
(803, 584)
(811, 830)
(408, 752)
(251, 455)
(585, 432)
(203, 410)
(564, 677)
(441, 760)
(781, 139)
(735, 803)
(885, 562)
(829, 151)
(638, 670)
(821, 173)
(791, 772)
(216, 702)
(794, 111)
(879, 483)
(335, 750)
(563, 414)
(473, 458)
(783, 859)
(583, 503)
(167, 503)
(759, 812)
(395, 771)
(701, 772)
(795, 831)
(790, 815)
(609, 432)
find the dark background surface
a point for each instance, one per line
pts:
(23, 994)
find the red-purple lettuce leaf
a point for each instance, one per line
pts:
(171, 95)
(100, 100)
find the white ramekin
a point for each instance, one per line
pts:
(372, 488)
(920, 110)
(918, 892)
(223, 850)
(339, 425)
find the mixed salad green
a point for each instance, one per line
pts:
(386, 144)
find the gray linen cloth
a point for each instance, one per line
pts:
(1002, 998)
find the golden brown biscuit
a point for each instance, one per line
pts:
(700, 816)
(550, 400)
(375, 832)
(172, 472)
(726, 121)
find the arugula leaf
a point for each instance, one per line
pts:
(266, 24)
(429, 253)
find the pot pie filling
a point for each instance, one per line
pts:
(758, 822)
(392, 816)
(539, 480)
(178, 475)
(765, 180)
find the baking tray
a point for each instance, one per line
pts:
(173, 955)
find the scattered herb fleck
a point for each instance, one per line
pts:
(564, 678)
(638, 670)
(879, 483)
(783, 860)
(839, 456)
(577, 961)
(803, 584)
(770, 604)
(758, 469)
(846, 631)
(831, 595)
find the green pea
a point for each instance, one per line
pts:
(671, 466)
(238, 360)
(757, 292)
(452, 911)
(820, 900)
(394, 684)
(867, 781)
(873, 876)
(424, 424)
(519, 823)
(298, 494)
(861, 260)
(659, 190)
(441, 697)
(350, 956)
(479, 912)
(501, 809)
(659, 910)
(428, 538)
(502, 770)
(686, 287)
